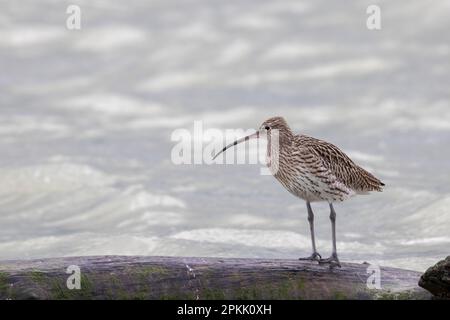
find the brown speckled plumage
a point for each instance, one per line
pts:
(316, 170)
(313, 170)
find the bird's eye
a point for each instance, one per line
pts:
(267, 128)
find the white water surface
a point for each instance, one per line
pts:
(86, 118)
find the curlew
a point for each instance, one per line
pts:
(313, 170)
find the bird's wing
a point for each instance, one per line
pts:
(340, 165)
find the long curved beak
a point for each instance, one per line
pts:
(252, 136)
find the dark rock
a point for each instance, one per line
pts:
(437, 279)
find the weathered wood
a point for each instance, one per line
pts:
(131, 277)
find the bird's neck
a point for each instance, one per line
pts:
(277, 143)
(281, 137)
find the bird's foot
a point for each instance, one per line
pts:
(332, 260)
(315, 256)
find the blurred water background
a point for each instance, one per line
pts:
(86, 119)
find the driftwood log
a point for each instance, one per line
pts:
(131, 277)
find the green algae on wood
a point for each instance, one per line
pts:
(4, 284)
(139, 278)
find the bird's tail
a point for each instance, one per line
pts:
(369, 182)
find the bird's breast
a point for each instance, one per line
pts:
(301, 182)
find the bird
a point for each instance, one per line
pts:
(313, 170)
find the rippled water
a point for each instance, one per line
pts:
(86, 119)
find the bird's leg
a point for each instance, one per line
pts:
(333, 259)
(315, 255)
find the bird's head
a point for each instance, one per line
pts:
(266, 129)
(275, 123)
